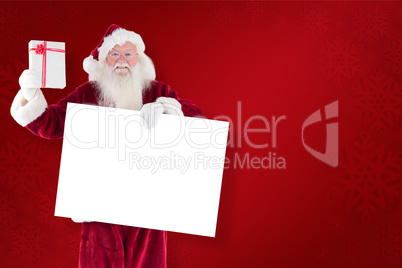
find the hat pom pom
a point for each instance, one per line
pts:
(92, 67)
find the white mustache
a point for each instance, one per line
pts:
(121, 64)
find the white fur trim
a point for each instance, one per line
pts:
(147, 67)
(171, 105)
(90, 64)
(92, 67)
(25, 112)
(119, 37)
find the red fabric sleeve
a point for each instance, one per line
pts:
(159, 89)
(50, 124)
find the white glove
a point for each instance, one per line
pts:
(79, 220)
(150, 113)
(30, 82)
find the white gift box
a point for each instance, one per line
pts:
(48, 59)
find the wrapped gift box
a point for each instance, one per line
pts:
(48, 59)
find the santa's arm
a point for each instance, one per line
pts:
(173, 104)
(41, 119)
(50, 124)
(23, 111)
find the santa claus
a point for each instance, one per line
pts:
(122, 76)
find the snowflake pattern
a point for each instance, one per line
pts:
(393, 54)
(9, 84)
(314, 20)
(350, 250)
(9, 75)
(389, 242)
(21, 166)
(222, 13)
(255, 9)
(322, 255)
(4, 110)
(7, 211)
(28, 208)
(279, 22)
(72, 244)
(76, 11)
(370, 23)
(342, 4)
(27, 244)
(3, 131)
(45, 209)
(50, 16)
(337, 225)
(370, 178)
(370, 62)
(10, 23)
(339, 60)
(398, 16)
(4, 115)
(378, 101)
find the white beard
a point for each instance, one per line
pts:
(119, 89)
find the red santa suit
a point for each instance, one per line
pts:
(50, 124)
(102, 244)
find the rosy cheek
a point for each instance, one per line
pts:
(110, 62)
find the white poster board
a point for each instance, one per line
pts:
(115, 171)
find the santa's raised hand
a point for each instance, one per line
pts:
(30, 83)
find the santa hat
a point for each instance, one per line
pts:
(114, 35)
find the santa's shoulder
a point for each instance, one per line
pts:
(154, 84)
(160, 89)
(157, 89)
(87, 86)
(85, 93)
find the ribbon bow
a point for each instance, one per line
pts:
(40, 49)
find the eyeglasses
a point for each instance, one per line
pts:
(114, 55)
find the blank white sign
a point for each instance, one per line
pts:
(115, 171)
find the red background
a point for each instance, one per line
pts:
(276, 58)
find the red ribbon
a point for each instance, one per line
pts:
(41, 50)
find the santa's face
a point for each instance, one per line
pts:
(122, 66)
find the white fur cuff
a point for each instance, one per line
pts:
(25, 112)
(171, 105)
